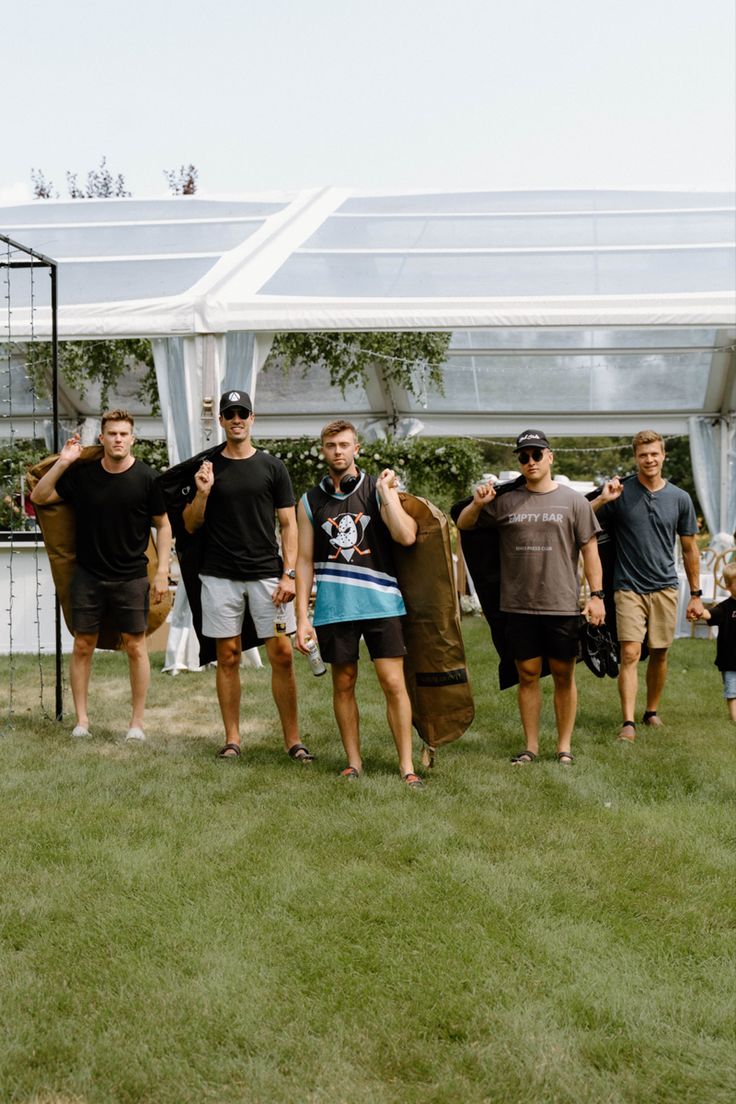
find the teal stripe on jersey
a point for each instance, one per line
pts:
(345, 601)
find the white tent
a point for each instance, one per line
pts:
(585, 311)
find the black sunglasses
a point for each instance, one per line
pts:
(535, 454)
(231, 411)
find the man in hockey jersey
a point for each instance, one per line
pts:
(347, 525)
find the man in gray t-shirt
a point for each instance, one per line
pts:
(646, 514)
(543, 528)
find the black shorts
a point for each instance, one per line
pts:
(529, 635)
(339, 642)
(123, 601)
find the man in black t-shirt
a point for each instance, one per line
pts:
(116, 502)
(238, 492)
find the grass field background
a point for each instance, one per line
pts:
(175, 929)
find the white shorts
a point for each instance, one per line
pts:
(223, 607)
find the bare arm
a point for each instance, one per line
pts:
(163, 550)
(304, 578)
(45, 493)
(401, 526)
(194, 511)
(612, 490)
(691, 563)
(287, 523)
(594, 609)
(483, 494)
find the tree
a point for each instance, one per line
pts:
(182, 181)
(101, 184)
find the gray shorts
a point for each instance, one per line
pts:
(223, 607)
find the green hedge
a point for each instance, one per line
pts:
(441, 469)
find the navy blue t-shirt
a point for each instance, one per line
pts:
(645, 525)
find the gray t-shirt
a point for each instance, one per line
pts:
(645, 524)
(540, 537)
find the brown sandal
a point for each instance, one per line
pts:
(224, 752)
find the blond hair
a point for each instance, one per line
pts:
(116, 416)
(340, 425)
(647, 437)
(729, 573)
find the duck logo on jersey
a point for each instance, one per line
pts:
(348, 531)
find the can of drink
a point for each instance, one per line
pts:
(315, 659)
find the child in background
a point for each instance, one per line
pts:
(724, 616)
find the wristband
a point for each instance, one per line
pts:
(696, 594)
(597, 594)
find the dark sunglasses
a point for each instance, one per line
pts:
(231, 411)
(535, 454)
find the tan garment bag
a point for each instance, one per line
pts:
(436, 675)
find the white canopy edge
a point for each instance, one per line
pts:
(186, 315)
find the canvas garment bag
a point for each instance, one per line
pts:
(435, 671)
(59, 536)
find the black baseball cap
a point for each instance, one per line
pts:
(235, 398)
(531, 438)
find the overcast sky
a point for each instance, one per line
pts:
(371, 94)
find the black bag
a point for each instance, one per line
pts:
(598, 650)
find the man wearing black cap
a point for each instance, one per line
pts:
(238, 491)
(543, 527)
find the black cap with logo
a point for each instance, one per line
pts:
(531, 438)
(235, 398)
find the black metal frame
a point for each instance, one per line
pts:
(40, 260)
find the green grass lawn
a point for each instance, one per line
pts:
(176, 929)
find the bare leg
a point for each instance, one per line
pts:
(139, 670)
(566, 700)
(530, 700)
(628, 678)
(731, 703)
(344, 678)
(656, 677)
(228, 687)
(283, 686)
(398, 708)
(80, 669)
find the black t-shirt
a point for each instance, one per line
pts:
(113, 517)
(724, 616)
(239, 527)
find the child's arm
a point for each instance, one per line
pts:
(704, 616)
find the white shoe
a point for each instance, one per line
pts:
(135, 735)
(80, 730)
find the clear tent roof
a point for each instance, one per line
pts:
(560, 302)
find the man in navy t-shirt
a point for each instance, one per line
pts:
(646, 514)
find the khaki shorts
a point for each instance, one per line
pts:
(651, 617)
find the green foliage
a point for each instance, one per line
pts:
(153, 453)
(409, 360)
(180, 931)
(14, 460)
(438, 468)
(104, 362)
